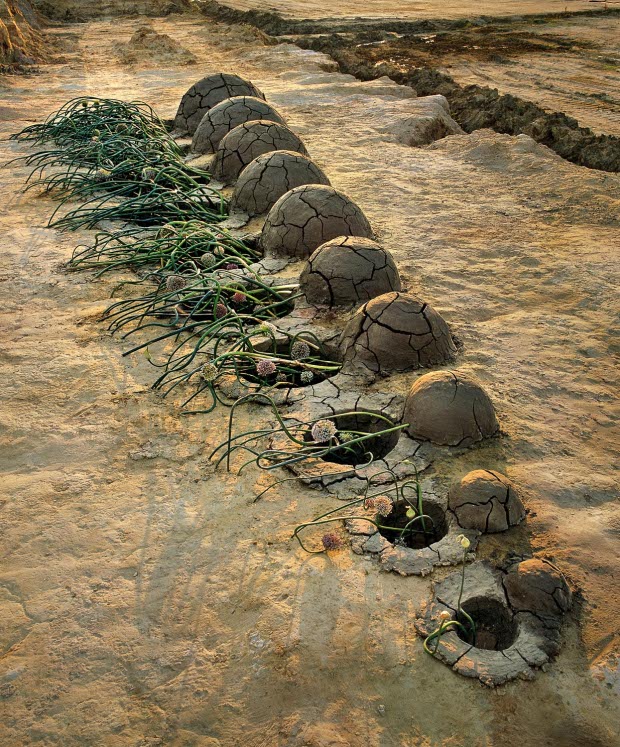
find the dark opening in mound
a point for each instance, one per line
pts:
(496, 629)
(352, 426)
(421, 533)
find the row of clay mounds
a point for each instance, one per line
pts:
(396, 332)
(227, 115)
(308, 216)
(348, 270)
(246, 142)
(271, 176)
(486, 501)
(449, 409)
(206, 94)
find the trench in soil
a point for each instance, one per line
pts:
(406, 52)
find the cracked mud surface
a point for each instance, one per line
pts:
(348, 270)
(396, 332)
(207, 93)
(307, 217)
(269, 177)
(227, 115)
(449, 408)
(487, 501)
(144, 598)
(248, 141)
(526, 634)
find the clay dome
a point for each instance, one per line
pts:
(449, 408)
(348, 270)
(308, 216)
(396, 332)
(268, 177)
(227, 115)
(486, 501)
(205, 94)
(248, 141)
(538, 587)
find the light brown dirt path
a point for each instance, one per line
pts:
(145, 601)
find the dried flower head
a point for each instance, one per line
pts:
(331, 541)
(267, 328)
(219, 251)
(175, 283)
(121, 127)
(266, 367)
(346, 436)
(465, 543)
(323, 431)
(208, 371)
(231, 266)
(149, 174)
(208, 259)
(445, 615)
(101, 175)
(307, 377)
(166, 231)
(300, 350)
(281, 377)
(238, 297)
(382, 504)
(221, 310)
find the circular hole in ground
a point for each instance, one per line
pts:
(353, 426)
(295, 374)
(421, 533)
(496, 629)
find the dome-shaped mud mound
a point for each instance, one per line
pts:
(206, 94)
(486, 501)
(308, 216)
(449, 409)
(227, 115)
(538, 587)
(248, 141)
(348, 270)
(396, 332)
(270, 176)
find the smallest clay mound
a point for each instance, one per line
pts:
(227, 115)
(248, 141)
(271, 176)
(205, 94)
(517, 620)
(308, 216)
(449, 409)
(348, 270)
(486, 501)
(396, 332)
(146, 45)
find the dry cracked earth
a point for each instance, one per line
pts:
(146, 600)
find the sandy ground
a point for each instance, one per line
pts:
(582, 83)
(145, 601)
(413, 9)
